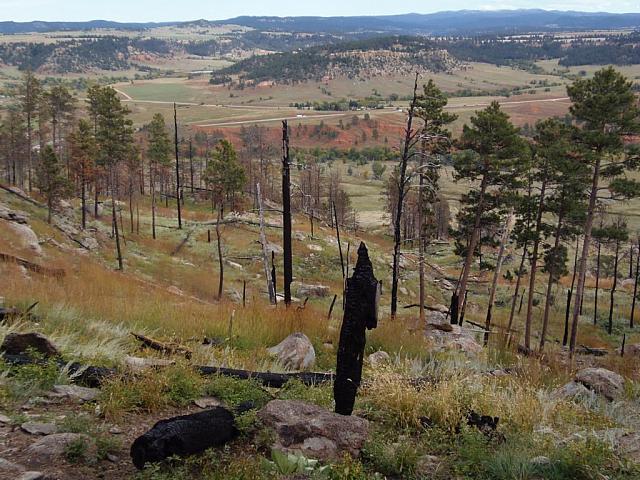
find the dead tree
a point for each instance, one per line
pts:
(183, 436)
(635, 288)
(613, 287)
(220, 257)
(409, 142)
(265, 258)
(508, 226)
(286, 214)
(175, 121)
(595, 298)
(360, 313)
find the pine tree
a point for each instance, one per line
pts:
(491, 164)
(606, 108)
(52, 183)
(224, 176)
(83, 152)
(30, 92)
(158, 153)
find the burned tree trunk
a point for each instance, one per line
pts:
(286, 214)
(265, 259)
(613, 288)
(183, 436)
(635, 288)
(220, 257)
(360, 314)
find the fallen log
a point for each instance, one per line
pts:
(184, 435)
(165, 348)
(33, 267)
(268, 379)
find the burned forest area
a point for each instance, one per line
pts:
(341, 248)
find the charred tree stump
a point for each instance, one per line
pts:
(360, 314)
(183, 436)
(453, 308)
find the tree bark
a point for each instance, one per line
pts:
(496, 274)
(220, 258)
(175, 120)
(585, 254)
(613, 288)
(286, 215)
(265, 258)
(547, 302)
(635, 288)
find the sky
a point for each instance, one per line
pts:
(158, 10)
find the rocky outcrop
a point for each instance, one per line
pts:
(295, 352)
(378, 358)
(51, 446)
(27, 237)
(313, 431)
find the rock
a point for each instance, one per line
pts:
(602, 381)
(74, 392)
(313, 431)
(300, 236)
(540, 460)
(233, 295)
(112, 458)
(35, 428)
(4, 419)
(437, 317)
(295, 352)
(632, 350)
(138, 364)
(235, 265)
(20, 343)
(28, 238)
(314, 248)
(438, 307)
(571, 390)
(32, 476)
(51, 446)
(403, 291)
(629, 446)
(13, 215)
(207, 402)
(115, 430)
(272, 247)
(175, 290)
(378, 358)
(466, 344)
(318, 291)
(7, 467)
(427, 466)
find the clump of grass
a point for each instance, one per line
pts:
(294, 389)
(234, 392)
(77, 450)
(22, 382)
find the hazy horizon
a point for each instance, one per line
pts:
(143, 11)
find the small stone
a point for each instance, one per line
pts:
(112, 458)
(207, 402)
(35, 428)
(4, 419)
(115, 430)
(54, 445)
(540, 460)
(75, 392)
(378, 358)
(427, 466)
(138, 364)
(315, 248)
(319, 291)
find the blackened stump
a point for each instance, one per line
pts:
(360, 313)
(183, 436)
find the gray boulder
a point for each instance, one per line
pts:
(75, 392)
(318, 291)
(602, 381)
(295, 352)
(312, 431)
(52, 446)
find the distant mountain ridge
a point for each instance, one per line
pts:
(446, 22)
